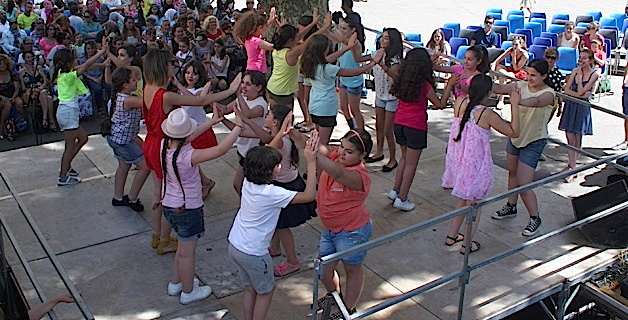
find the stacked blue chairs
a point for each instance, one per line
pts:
(552, 36)
(624, 27)
(537, 51)
(515, 13)
(466, 33)
(448, 32)
(497, 10)
(560, 16)
(456, 43)
(528, 35)
(580, 30)
(567, 59)
(536, 28)
(502, 23)
(620, 17)
(474, 27)
(595, 14)
(498, 40)
(461, 51)
(542, 21)
(540, 41)
(414, 38)
(453, 25)
(556, 28)
(516, 22)
(505, 46)
(608, 22)
(584, 18)
(502, 31)
(611, 34)
(541, 15)
(495, 15)
(582, 24)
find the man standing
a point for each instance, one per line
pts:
(485, 36)
(25, 20)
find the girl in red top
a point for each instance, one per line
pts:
(158, 102)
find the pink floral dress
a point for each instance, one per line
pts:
(469, 164)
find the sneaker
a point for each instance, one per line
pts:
(406, 205)
(507, 211)
(136, 205)
(176, 288)
(285, 268)
(338, 315)
(621, 146)
(72, 173)
(68, 180)
(197, 293)
(533, 227)
(393, 194)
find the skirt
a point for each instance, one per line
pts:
(576, 118)
(295, 214)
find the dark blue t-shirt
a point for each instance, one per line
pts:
(486, 40)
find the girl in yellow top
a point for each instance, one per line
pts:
(69, 88)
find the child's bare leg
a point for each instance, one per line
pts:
(248, 302)
(262, 304)
(184, 265)
(287, 241)
(139, 180)
(120, 179)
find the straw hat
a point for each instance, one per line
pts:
(179, 124)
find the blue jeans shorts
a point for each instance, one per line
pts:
(187, 223)
(388, 105)
(129, 153)
(332, 242)
(530, 154)
(357, 91)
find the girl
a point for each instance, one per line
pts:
(125, 58)
(158, 72)
(475, 62)
(79, 47)
(219, 66)
(303, 95)
(181, 197)
(130, 32)
(576, 118)
(316, 66)
(282, 84)
(250, 27)
(195, 83)
(50, 40)
(69, 87)
(184, 55)
(469, 164)
(438, 43)
(93, 77)
(569, 38)
(257, 218)
(523, 152)
(125, 115)
(385, 103)
(518, 59)
(35, 83)
(155, 12)
(177, 34)
(343, 188)
(413, 86)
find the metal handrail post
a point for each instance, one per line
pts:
(466, 272)
(318, 268)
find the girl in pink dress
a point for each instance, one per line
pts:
(469, 164)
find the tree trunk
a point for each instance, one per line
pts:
(292, 10)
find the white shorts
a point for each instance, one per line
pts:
(68, 115)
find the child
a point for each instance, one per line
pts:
(182, 197)
(69, 88)
(316, 66)
(475, 62)
(303, 95)
(184, 55)
(469, 163)
(219, 66)
(126, 114)
(257, 218)
(413, 86)
(79, 46)
(250, 27)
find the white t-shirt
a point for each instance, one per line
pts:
(245, 144)
(256, 220)
(196, 113)
(218, 62)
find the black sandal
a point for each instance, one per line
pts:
(44, 124)
(455, 240)
(477, 244)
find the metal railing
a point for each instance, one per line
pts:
(470, 212)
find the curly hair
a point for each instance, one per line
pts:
(415, 69)
(7, 60)
(247, 24)
(259, 164)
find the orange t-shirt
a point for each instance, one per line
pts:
(339, 207)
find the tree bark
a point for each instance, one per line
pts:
(292, 10)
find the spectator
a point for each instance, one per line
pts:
(219, 66)
(112, 4)
(210, 25)
(598, 55)
(46, 12)
(590, 35)
(26, 19)
(438, 43)
(64, 40)
(75, 17)
(49, 41)
(4, 22)
(93, 77)
(555, 77)
(189, 24)
(167, 5)
(90, 28)
(203, 48)
(110, 30)
(224, 9)
(154, 12)
(12, 38)
(347, 7)
(163, 32)
(9, 93)
(177, 35)
(38, 32)
(64, 25)
(27, 45)
(103, 15)
(250, 6)
(485, 35)
(237, 54)
(90, 6)
(569, 38)
(130, 33)
(34, 82)
(79, 46)
(518, 59)
(12, 10)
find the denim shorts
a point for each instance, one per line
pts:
(129, 153)
(388, 105)
(68, 115)
(187, 223)
(256, 271)
(357, 91)
(332, 242)
(410, 138)
(530, 154)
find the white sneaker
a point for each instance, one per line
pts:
(407, 205)
(68, 180)
(176, 288)
(197, 293)
(392, 194)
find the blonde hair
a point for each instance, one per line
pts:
(156, 67)
(62, 21)
(247, 24)
(208, 20)
(6, 59)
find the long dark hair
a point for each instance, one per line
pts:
(199, 69)
(283, 36)
(481, 53)
(395, 46)
(415, 70)
(222, 52)
(480, 87)
(314, 55)
(175, 168)
(280, 112)
(259, 164)
(353, 22)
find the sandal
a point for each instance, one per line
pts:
(155, 240)
(166, 246)
(477, 247)
(206, 189)
(299, 125)
(44, 124)
(274, 252)
(305, 129)
(286, 268)
(458, 238)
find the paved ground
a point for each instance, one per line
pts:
(106, 252)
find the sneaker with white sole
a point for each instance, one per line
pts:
(507, 211)
(68, 180)
(176, 288)
(198, 293)
(72, 173)
(393, 194)
(533, 227)
(406, 205)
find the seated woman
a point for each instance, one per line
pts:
(438, 43)
(35, 84)
(518, 59)
(591, 35)
(569, 38)
(9, 95)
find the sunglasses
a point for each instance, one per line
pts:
(488, 22)
(250, 2)
(551, 57)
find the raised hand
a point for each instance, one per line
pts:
(379, 55)
(453, 80)
(286, 126)
(217, 115)
(515, 96)
(353, 40)
(311, 146)
(235, 84)
(315, 15)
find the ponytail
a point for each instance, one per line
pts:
(480, 87)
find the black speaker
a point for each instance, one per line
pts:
(611, 231)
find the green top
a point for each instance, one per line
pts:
(70, 86)
(27, 21)
(283, 80)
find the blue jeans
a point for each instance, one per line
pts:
(187, 223)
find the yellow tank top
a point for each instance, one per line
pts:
(283, 80)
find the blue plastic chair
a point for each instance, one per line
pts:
(567, 59)
(552, 36)
(516, 22)
(595, 14)
(505, 46)
(448, 32)
(498, 39)
(582, 24)
(538, 51)
(474, 27)
(620, 17)
(515, 13)
(453, 25)
(541, 15)
(542, 21)
(495, 15)
(556, 28)
(502, 23)
(612, 35)
(413, 37)
(528, 35)
(536, 28)
(456, 43)
(560, 16)
(608, 47)
(461, 51)
(624, 27)
(540, 41)
(608, 22)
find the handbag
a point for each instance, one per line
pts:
(604, 86)
(105, 124)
